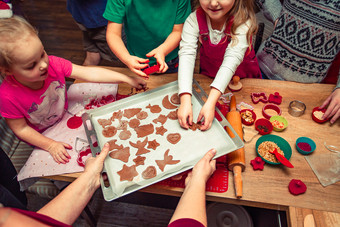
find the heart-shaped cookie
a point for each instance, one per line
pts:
(174, 138)
(259, 97)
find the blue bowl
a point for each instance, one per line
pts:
(305, 140)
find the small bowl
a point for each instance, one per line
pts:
(250, 119)
(281, 120)
(305, 141)
(317, 110)
(263, 126)
(281, 143)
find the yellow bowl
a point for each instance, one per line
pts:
(279, 123)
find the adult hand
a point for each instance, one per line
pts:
(204, 168)
(160, 57)
(94, 165)
(333, 103)
(136, 64)
(208, 112)
(184, 113)
(58, 152)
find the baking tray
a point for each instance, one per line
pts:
(189, 150)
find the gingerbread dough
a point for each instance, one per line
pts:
(166, 161)
(175, 99)
(121, 154)
(109, 131)
(154, 108)
(173, 138)
(149, 172)
(144, 130)
(167, 104)
(127, 173)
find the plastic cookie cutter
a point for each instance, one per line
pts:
(226, 97)
(275, 98)
(259, 97)
(83, 151)
(272, 107)
(151, 69)
(243, 105)
(332, 148)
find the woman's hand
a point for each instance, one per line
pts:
(333, 103)
(58, 152)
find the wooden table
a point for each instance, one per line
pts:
(269, 188)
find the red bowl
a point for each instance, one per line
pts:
(264, 126)
(253, 117)
(320, 121)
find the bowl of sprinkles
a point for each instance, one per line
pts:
(268, 143)
(263, 126)
(317, 114)
(305, 145)
(248, 116)
(279, 123)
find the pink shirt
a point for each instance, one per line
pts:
(42, 108)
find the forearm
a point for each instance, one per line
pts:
(213, 97)
(172, 40)
(192, 203)
(68, 205)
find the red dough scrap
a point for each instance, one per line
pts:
(74, 122)
(297, 187)
(275, 98)
(257, 163)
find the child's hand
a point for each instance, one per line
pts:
(184, 113)
(137, 83)
(333, 109)
(160, 57)
(58, 152)
(208, 112)
(136, 64)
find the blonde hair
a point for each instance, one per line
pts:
(11, 30)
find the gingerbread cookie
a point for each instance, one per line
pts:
(161, 130)
(167, 104)
(149, 172)
(134, 123)
(140, 146)
(173, 115)
(104, 122)
(139, 160)
(128, 113)
(109, 131)
(175, 99)
(113, 145)
(195, 126)
(161, 118)
(127, 173)
(142, 115)
(117, 115)
(166, 161)
(153, 144)
(122, 125)
(154, 108)
(173, 138)
(121, 154)
(125, 134)
(144, 130)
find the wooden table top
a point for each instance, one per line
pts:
(269, 188)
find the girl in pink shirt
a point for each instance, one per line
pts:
(33, 93)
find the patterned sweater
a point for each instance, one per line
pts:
(304, 42)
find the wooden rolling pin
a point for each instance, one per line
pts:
(236, 159)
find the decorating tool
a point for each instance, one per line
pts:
(281, 158)
(236, 159)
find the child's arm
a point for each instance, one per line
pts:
(22, 130)
(98, 74)
(185, 111)
(208, 109)
(116, 44)
(166, 47)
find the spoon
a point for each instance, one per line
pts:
(281, 158)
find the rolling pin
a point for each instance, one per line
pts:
(236, 159)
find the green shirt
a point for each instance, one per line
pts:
(147, 23)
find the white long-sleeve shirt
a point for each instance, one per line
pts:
(187, 54)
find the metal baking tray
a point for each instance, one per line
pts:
(189, 150)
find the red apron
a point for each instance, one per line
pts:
(211, 55)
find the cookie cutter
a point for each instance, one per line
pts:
(272, 107)
(259, 97)
(226, 97)
(296, 108)
(243, 105)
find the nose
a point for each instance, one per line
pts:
(214, 3)
(43, 66)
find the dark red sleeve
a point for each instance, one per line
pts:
(185, 222)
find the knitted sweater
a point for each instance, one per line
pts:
(304, 42)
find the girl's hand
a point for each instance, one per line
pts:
(208, 112)
(58, 152)
(136, 64)
(184, 113)
(160, 57)
(333, 109)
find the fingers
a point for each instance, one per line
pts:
(335, 117)
(210, 154)
(326, 102)
(104, 151)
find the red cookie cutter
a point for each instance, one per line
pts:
(272, 107)
(257, 97)
(151, 69)
(82, 154)
(275, 98)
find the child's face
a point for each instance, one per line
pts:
(217, 10)
(30, 61)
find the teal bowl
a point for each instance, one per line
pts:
(305, 145)
(281, 143)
